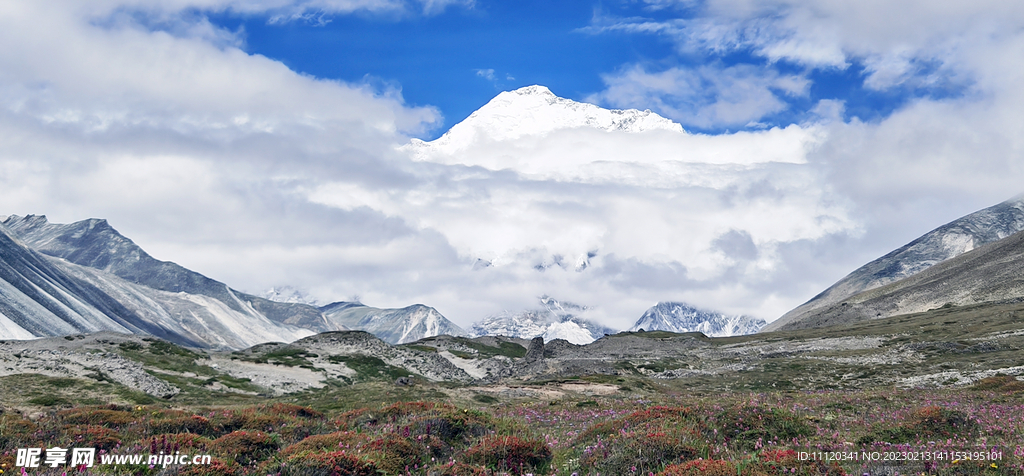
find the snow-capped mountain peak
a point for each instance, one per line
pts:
(288, 294)
(394, 326)
(535, 111)
(554, 320)
(681, 317)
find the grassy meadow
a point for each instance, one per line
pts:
(376, 428)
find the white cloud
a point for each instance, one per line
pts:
(707, 96)
(236, 166)
(656, 211)
(487, 74)
(183, 141)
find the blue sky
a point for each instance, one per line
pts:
(459, 58)
(270, 142)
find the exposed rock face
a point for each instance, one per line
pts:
(681, 317)
(79, 357)
(95, 244)
(945, 242)
(993, 273)
(86, 277)
(428, 364)
(486, 359)
(394, 326)
(536, 350)
(50, 295)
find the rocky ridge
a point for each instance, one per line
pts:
(945, 242)
(47, 295)
(61, 279)
(990, 274)
(950, 346)
(82, 356)
(394, 326)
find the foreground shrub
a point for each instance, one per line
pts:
(632, 451)
(183, 424)
(452, 426)
(335, 463)
(245, 447)
(251, 419)
(462, 469)
(931, 422)
(642, 441)
(99, 437)
(289, 409)
(700, 467)
(457, 428)
(341, 440)
(15, 432)
(97, 416)
(999, 383)
(394, 454)
(749, 426)
(653, 418)
(173, 442)
(510, 454)
(785, 462)
(215, 468)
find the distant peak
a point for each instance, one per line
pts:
(535, 111)
(535, 90)
(1019, 199)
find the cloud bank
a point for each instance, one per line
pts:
(232, 164)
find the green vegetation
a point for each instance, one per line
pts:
(485, 399)
(508, 349)
(282, 355)
(369, 368)
(49, 401)
(655, 428)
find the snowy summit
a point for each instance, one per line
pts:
(681, 317)
(534, 111)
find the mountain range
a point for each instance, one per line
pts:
(552, 320)
(394, 326)
(84, 277)
(886, 275)
(681, 318)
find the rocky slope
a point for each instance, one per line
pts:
(394, 326)
(90, 356)
(991, 274)
(951, 346)
(945, 242)
(95, 244)
(47, 295)
(85, 277)
(680, 317)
